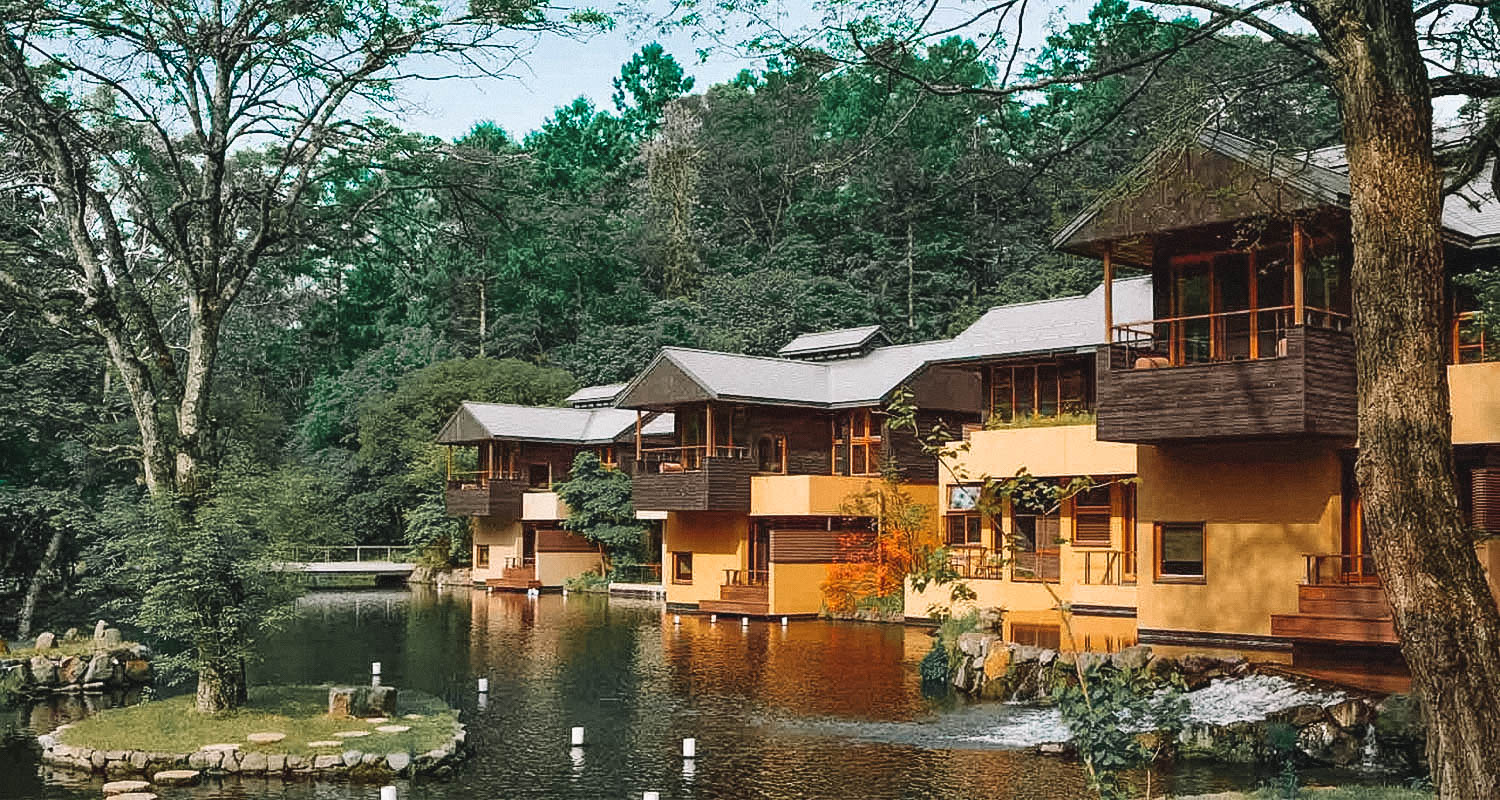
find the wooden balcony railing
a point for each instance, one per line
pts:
(1041, 565)
(747, 577)
(1105, 568)
(1245, 335)
(1339, 569)
(688, 458)
(977, 563)
(637, 573)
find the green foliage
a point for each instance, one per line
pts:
(590, 582)
(1281, 744)
(599, 507)
(934, 666)
(442, 540)
(949, 630)
(1119, 720)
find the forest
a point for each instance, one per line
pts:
(516, 266)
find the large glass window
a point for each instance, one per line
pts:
(963, 529)
(770, 453)
(1045, 389)
(856, 443)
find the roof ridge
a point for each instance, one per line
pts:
(746, 355)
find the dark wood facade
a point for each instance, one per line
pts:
(485, 498)
(1308, 391)
(719, 484)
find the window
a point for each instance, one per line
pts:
(481, 555)
(1179, 551)
(770, 454)
(539, 476)
(1048, 637)
(856, 443)
(608, 458)
(682, 567)
(1127, 525)
(1046, 389)
(963, 498)
(1470, 346)
(1034, 530)
(963, 529)
(1091, 516)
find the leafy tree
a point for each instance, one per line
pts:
(650, 80)
(599, 507)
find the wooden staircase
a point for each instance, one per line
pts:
(749, 601)
(1352, 613)
(514, 579)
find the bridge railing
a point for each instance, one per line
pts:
(399, 554)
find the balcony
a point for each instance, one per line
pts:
(517, 575)
(478, 494)
(744, 591)
(1340, 601)
(695, 478)
(810, 495)
(1232, 375)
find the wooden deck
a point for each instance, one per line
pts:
(1354, 613)
(749, 601)
(514, 579)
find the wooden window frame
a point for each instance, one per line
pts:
(529, 477)
(1060, 366)
(608, 457)
(1107, 510)
(482, 555)
(1158, 537)
(775, 439)
(680, 557)
(1129, 534)
(864, 431)
(973, 525)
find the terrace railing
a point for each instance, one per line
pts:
(1245, 335)
(688, 458)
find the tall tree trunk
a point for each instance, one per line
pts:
(1444, 612)
(38, 581)
(221, 685)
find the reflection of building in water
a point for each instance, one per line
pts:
(1088, 633)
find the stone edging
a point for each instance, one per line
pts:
(105, 669)
(350, 764)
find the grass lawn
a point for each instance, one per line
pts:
(301, 712)
(83, 648)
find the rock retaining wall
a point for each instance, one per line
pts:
(351, 764)
(1354, 730)
(441, 577)
(123, 667)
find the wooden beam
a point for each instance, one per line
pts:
(708, 428)
(1299, 277)
(1109, 293)
(638, 414)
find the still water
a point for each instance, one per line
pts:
(814, 710)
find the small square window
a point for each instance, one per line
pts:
(963, 498)
(1179, 551)
(682, 567)
(539, 476)
(481, 555)
(963, 529)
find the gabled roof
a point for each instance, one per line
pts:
(594, 395)
(833, 344)
(680, 374)
(1261, 180)
(476, 422)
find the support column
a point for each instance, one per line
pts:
(638, 413)
(708, 429)
(1299, 277)
(1109, 293)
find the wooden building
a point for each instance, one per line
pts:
(505, 482)
(1232, 401)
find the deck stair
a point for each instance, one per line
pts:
(1352, 613)
(750, 601)
(514, 579)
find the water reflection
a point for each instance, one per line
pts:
(813, 710)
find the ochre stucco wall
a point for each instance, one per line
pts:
(504, 539)
(554, 568)
(797, 588)
(1474, 390)
(718, 541)
(1263, 506)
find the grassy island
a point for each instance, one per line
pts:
(171, 725)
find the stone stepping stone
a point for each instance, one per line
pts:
(265, 738)
(326, 743)
(413, 716)
(125, 787)
(176, 777)
(377, 720)
(393, 728)
(227, 747)
(351, 734)
(135, 796)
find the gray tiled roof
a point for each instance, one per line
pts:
(590, 395)
(837, 341)
(476, 421)
(1064, 324)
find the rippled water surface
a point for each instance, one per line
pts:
(814, 710)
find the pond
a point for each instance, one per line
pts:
(813, 710)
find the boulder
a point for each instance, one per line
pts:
(973, 644)
(99, 628)
(72, 635)
(343, 701)
(138, 671)
(43, 671)
(111, 638)
(1025, 653)
(99, 670)
(1297, 716)
(1132, 658)
(125, 787)
(276, 763)
(381, 702)
(398, 762)
(327, 762)
(1350, 714)
(45, 641)
(70, 670)
(253, 763)
(206, 759)
(997, 663)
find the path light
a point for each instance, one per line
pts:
(484, 685)
(689, 748)
(387, 793)
(783, 622)
(578, 736)
(744, 622)
(676, 619)
(375, 668)
(712, 618)
(565, 591)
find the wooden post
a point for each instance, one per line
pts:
(1109, 293)
(1299, 277)
(450, 462)
(1254, 306)
(638, 413)
(708, 429)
